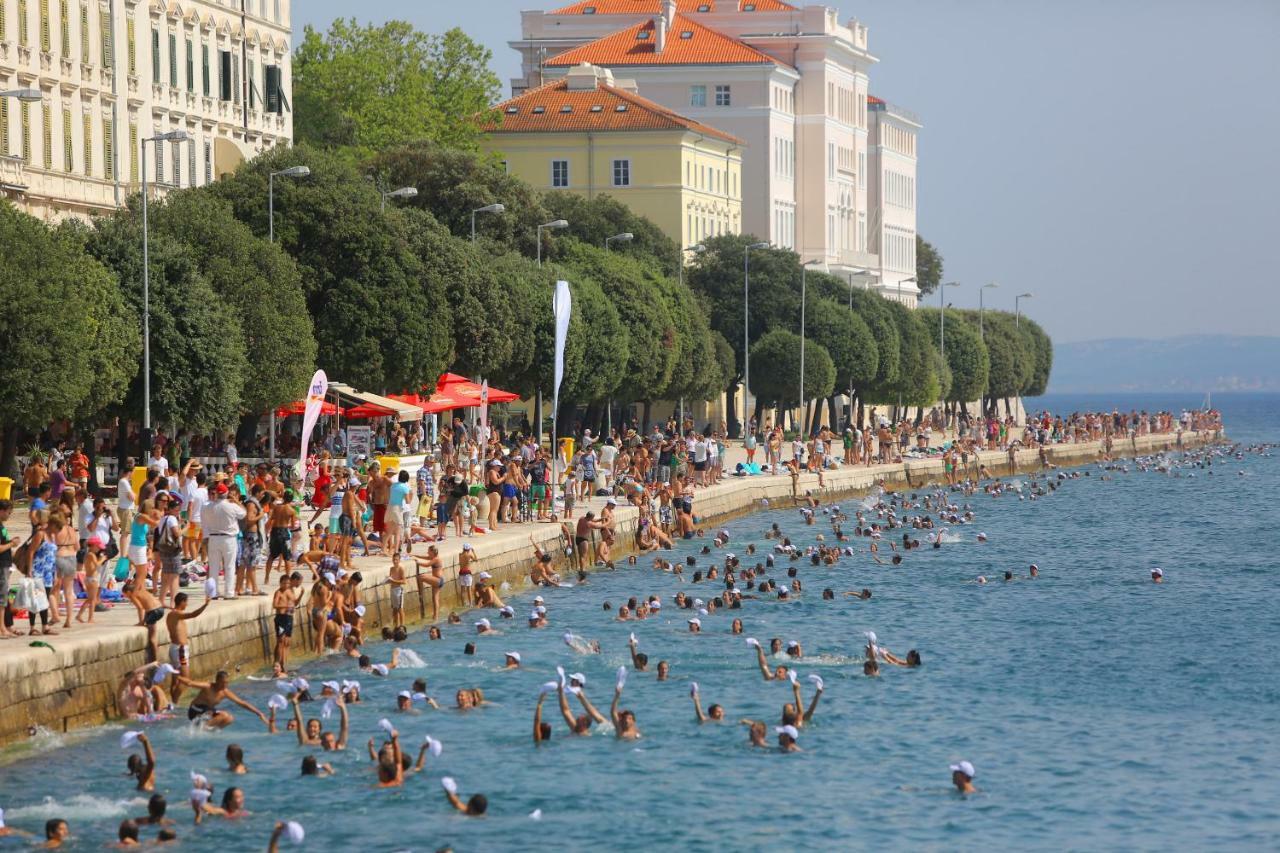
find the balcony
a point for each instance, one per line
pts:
(13, 174)
(858, 260)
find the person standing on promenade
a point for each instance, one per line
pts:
(280, 523)
(221, 527)
(180, 640)
(379, 496)
(7, 547)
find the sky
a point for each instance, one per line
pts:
(1116, 158)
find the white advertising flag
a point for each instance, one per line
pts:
(562, 307)
(315, 402)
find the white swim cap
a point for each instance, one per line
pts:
(963, 767)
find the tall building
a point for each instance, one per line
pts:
(791, 82)
(592, 134)
(114, 73)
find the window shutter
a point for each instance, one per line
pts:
(155, 55)
(224, 75)
(46, 125)
(133, 153)
(131, 34)
(68, 146)
(271, 82)
(109, 149)
(88, 144)
(107, 32)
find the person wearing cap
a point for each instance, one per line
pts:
(540, 574)
(962, 774)
(1157, 575)
(695, 625)
(220, 525)
(512, 660)
(486, 593)
(787, 737)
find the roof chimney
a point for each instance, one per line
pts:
(669, 11)
(660, 37)
(582, 77)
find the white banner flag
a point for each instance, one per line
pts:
(562, 307)
(315, 402)
(484, 410)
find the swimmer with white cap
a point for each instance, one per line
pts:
(787, 737)
(513, 660)
(1157, 575)
(962, 774)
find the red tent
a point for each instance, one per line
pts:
(299, 407)
(443, 402)
(463, 388)
(370, 410)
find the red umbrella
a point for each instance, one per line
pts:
(299, 407)
(443, 402)
(463, 388)
(370, 410)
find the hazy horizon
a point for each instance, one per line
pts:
(1080, 152)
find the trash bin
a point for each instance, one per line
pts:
(137, 478)
(6, 488)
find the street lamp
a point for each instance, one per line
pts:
(488, 208)
(981, 308)
(291, 172)
(403, 192)
(26, 95)
(804, 269)
(859, 273)
(556, 224)
(942, 316)
(171, 136)
(624, 237)
(680, 264)
(1017, 314)
(746, 334)
(901, 282)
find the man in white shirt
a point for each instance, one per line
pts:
(233, 455)
(197, 495)
(125, 500)
(221, 525)
(700, 459)
(157, 461)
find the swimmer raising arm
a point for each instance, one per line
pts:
(580, 725)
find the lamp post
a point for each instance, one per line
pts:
(901, 282)
(403, 192)
(171, 136)
(859, 273)
(680, 264)
(982, 308)
(746, 333)
(624, 237)
(1017, 314)
(942, 316)
(554, 225)
(488, 208)
(804, 269)
(291, 172)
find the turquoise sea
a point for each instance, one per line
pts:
(1100, 710)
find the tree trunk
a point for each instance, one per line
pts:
(731, 403)
(646, 412)
(9, 452)
(833, 412)
(247, 430)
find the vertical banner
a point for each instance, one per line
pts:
(315, 402)
(562, 308)
(484, 411)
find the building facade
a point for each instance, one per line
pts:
(114, 73)
(591, 133)
(791, 82)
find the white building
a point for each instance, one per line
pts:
(792, 83)
(112, 73)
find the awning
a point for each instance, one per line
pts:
(464, 389)
(385, 406)
(299, 407)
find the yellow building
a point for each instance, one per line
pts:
(591, 134)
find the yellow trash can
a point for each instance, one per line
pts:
(386, 462)
(566, 450)
(137, 478)
(6, 488)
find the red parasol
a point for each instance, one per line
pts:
(370, 410)
(299, 407)
(464, 389)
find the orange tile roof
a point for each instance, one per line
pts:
(554, 108)
(636, 45)
(653, 7)
(872, 99)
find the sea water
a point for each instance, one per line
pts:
(1101, 711)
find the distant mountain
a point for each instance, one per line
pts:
(1187, 363)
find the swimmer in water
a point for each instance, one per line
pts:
(581, 724)
(639, 659)
(787, 737)
(235, 759)
(912, 659)
(474, 807)
(1157, 575)
(714, 714)
(205, 706)
(311, 735)
(767, 674)
(962, 774)
(861, 596)
(143, 767)
(624, 721)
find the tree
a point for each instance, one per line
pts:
(1012, 361)
(198, 361)
(966, 355)
(1043, 349)
(847, 339)
(917, 383)
(452, 183)
(262, 286)
(372, 87)
(595, 219)
(928, 266)
(381, 322)
(605, 345)
(71, 341)
(776, 380)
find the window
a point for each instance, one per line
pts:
(87, 120)
(133, 152)
(204, 68)
(46, 37)
(722, 96)
(224, 75)
(132, 36)
(22, 22)
(697, 96)
(643, 35)
(46, 128)
(64, 28)
(84, 33)
(159, 161)
(176, 150)
(274, 93)
(191, 66)
(862, 170)
(173, 60)
(155, 55)
(253, 90)
(208, 163)
(107, 33)
(191, 163)
(831, 161)
(26, 131)
(622, 173)
(108, 149)
(559, 173)
(68, 148)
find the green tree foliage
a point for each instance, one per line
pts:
(717, 276)
(847, 340)
(71, 342)
(372, 87)
(1012, 361)
(593, 220)
(198, 360)
(262, 286)
(916, 378)
(452, 183)
(966, 357)
(1043, 348)
(381, 322)
(605, 344)
(638, 297)
(928, 266)
(775, 377)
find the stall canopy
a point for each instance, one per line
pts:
(299, 407)
(375, 405)
(462, 388)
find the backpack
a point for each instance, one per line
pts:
(168, 539)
